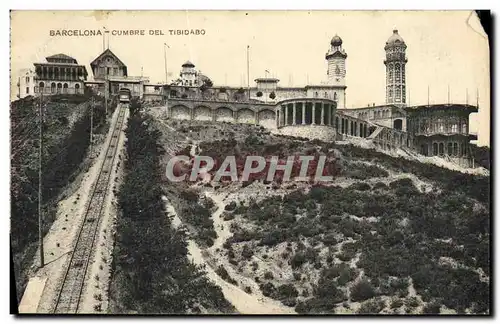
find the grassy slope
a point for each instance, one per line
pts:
(378, 237)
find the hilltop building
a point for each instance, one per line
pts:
(111, 74)
(314, 111)
(60, 74)
(26, 83)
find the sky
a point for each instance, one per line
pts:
(446, 49)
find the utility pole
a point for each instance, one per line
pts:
(106, 90)
(165, 46)
(104, 40)
(40, 154)
(248, 72)
(91, 126)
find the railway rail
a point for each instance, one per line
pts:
(70, 293)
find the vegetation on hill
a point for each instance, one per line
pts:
(66, 128)
(151, 271)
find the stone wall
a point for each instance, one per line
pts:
(323, 133)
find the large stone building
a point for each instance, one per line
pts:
(318, 111)
(60, 74)
(314, 111)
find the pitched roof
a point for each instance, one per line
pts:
(106, 52)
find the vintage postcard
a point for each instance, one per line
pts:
(250, 162)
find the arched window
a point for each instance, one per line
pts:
(53, 87)
(390, 93)
(450, 148)
(326, 94)
(65, 88)
(464, 128)
(335, 96)
(316, 94)
(455, 149)
(434, 149)
(441, 148)
(454, 128)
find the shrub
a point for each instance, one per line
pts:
(268, 289)
(432, 308)
(362, 290)
(268, 275)
(372, 307)
(396, 303)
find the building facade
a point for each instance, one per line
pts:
(26, 83)
(441, 130)
(61, 74)
(111, 75)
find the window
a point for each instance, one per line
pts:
(316, 94)
(454, 128)
(115, 71)
(464, 128)
(27, 90)
(326, 94)
(434, 149)
(27, 80)
(455, 148)
(398, 73)
(450, 148)
(108, 71)
(335, 96)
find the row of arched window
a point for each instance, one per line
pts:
(57, 87)
(351, 127)
(440, 149)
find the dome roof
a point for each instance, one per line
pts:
(188, 64)
(336, 40)
(395, 39)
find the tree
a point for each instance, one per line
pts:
(272, 95)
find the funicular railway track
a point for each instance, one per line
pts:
(69, 295)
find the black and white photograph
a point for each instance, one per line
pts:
(250, 162)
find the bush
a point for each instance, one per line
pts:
(268, 289)
(396, 303)
(268, 275)
(362, 290)
(372, 307)
(432, 308)
(230, 206)
(287, 291)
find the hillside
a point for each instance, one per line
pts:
(66, 129)
(387, 235)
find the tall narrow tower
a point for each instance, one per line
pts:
(336, 62)
(395, 67)
(336, 71)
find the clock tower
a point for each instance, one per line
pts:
(336, 71)
(336, 62)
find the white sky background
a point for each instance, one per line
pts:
(445, 49)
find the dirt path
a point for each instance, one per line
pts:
(244, 303)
